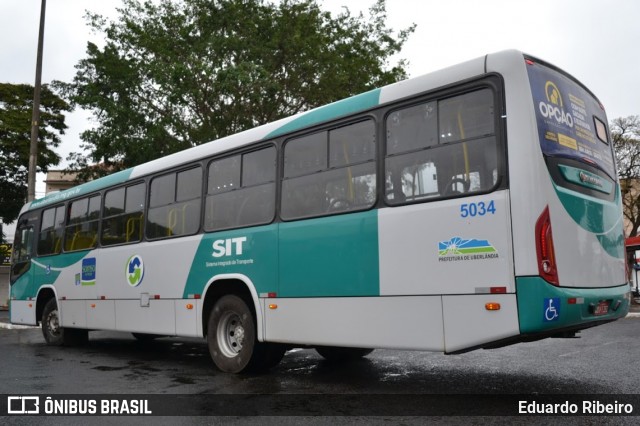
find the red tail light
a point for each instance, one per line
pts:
(547, 266)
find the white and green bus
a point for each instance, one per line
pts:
(473, 207)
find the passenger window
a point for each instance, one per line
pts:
(412, 128)
(81, 232)
(259, 167)
(224, 175)
(122, 215)
(440, 155)
(330, 172)
(241, 190)
(466, 117)
(51, 231)
(163, 190)
(352, 144)
(174, 204)
(189, 185)
(305, 155)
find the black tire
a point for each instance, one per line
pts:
(233, 342)
(336, 354)
(56, 335)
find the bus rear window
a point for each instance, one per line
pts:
(571, 122)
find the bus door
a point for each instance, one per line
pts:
(21, 270)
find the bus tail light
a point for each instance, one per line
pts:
(547, 266)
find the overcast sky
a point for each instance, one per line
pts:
(595, 40)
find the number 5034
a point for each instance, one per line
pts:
(477, 209)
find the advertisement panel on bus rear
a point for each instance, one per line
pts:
(571, 123)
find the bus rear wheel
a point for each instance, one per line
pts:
(53, 332)
(232, 339)
(336, 354)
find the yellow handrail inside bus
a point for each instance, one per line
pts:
(172, 220)
(131, 228)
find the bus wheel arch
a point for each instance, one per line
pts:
(48, 315)
(44, 295)
(221, 287)
(231, 324)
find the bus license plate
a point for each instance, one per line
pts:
(602, 308)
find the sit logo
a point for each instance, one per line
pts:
(228, 247)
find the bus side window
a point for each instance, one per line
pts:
(83, 221)
(22, 252)
(51, 231)
(188, 200)
(302, 193)
(174, 204)
(223, 181)
(433, 155)
(315, 184)
(122, 215)
(241, 190)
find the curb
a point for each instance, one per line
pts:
(8, 326)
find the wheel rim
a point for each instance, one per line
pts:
(230, 334)
(53, 325)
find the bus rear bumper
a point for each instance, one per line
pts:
(543, 307)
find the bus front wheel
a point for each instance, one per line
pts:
(232, 338)
(53, 332)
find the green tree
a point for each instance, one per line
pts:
(16, 106)
(625, 132)
(175, 74)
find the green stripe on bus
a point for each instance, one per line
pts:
(44, 271)
(329, 256)
(252, 252)
(328, 112)
(600, 217)
(332, 256)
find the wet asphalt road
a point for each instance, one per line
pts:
(605, 360)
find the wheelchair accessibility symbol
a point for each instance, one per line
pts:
(551, 309)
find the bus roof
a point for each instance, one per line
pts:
(342, 108)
